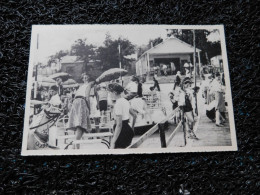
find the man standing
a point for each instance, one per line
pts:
(59, 85)
(102, 95)
(156, 85)
(173, 68)
(165, 69)
(190, 64)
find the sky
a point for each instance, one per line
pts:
(53, 38)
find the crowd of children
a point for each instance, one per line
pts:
(84, 104)
(184, 101)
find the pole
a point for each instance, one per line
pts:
(36, 72)
(195, 70)
(199, 63)
(120, 65)
(148, 64)
(162, 134)
(183, 125)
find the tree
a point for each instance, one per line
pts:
(84, 51)
(57, 56)
(109, 53)
(151, 43)
(154, 42)
(209, 49)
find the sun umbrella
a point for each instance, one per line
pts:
(69, 82)
(37, 102)
(111, 74)
(70, 85)
(46, 84)
(63, 75)
(44, 79)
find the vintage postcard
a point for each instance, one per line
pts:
(128, 89)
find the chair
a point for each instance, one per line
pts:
(154, 100)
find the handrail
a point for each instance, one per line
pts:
(149, 132)
(173, 133)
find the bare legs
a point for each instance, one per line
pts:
(189, 124)
(79, 133)
(219, 119)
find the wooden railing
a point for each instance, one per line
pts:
(161, 127)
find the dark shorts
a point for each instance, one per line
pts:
(187, 108)
(174, 105)
(103, 105)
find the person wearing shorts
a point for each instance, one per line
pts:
(185, 102)
(102, 95)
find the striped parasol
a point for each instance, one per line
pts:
(111, 74)
(63, 75)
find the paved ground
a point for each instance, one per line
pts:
(207, 132)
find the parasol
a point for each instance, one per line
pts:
(63, 75)
(37, 102)
(44, 79)
(69, 82)
(70, 85)
(111, 74)
(46, 84)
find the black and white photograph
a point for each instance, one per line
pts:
(128, 89)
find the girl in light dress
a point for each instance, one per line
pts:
(79, 115)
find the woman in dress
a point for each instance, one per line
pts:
(79, 119)
(123, 133)
(220, 100)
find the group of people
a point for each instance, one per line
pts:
(183, 104)
(81, 109)
(183, 100)
(44, 93)
(165, 70)
(82, 105)
(213, 91)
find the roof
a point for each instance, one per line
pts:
(217, 57)
(172, 45)
(70, 59)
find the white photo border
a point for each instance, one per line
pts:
(33, 46)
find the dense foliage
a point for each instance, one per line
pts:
(209, 48)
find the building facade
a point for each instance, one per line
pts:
(74, 67)
(172, 50)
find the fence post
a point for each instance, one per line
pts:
(183, 126)
(162, 134)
